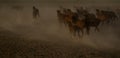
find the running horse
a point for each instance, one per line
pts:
(35, 12)
(61, 17)
(91, 21)
(77, 25)
(106, 16)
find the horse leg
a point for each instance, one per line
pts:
(38, 14)
(60, 21)
(115, 18)
(65, 23)
(88, 30)
(96, 28)
(82, 32)
(34, 16)
(78, 32)
(72, 30)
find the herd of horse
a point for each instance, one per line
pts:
(82, 19)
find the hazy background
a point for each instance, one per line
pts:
(47, 27)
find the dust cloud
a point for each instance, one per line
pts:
(47, 28)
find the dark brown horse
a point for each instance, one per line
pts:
(35, 12)
(91, 21)
(106, 16)
(78, 25)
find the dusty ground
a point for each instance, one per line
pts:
(15, 46)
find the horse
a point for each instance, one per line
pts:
(35, 12)
(106, 16)
(68, 16)
(101, 16)
(60, 17)
(65, 16)
(91, 21)
(112, 15)
(78, 25)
